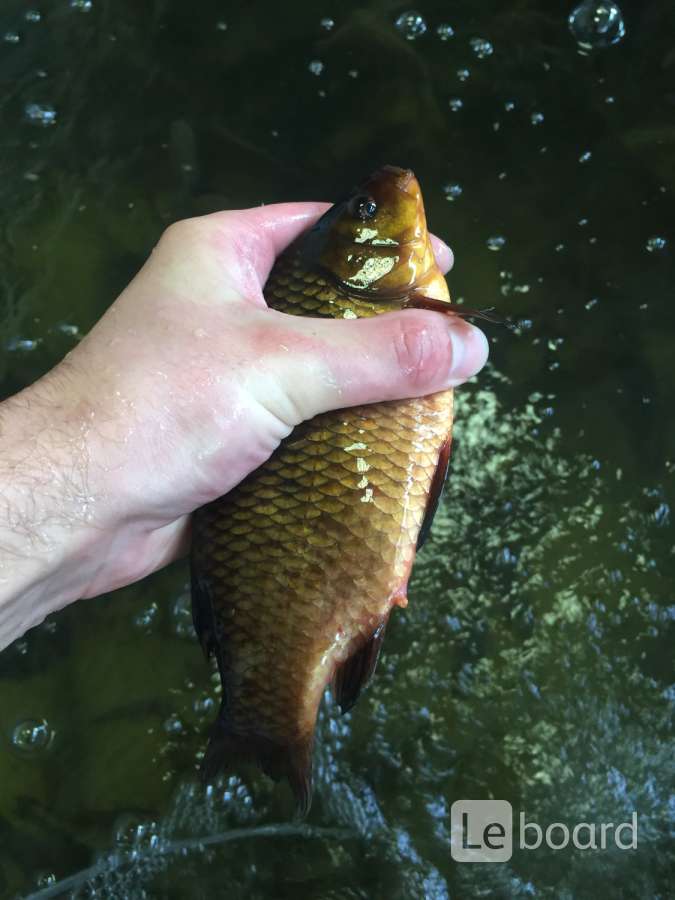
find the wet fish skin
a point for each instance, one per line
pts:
(296, 570)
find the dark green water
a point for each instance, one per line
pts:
(535, 661)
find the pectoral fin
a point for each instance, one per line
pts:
(354, 674)
(435, 491)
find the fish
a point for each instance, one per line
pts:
(295, 572)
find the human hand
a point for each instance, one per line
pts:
(186, 385)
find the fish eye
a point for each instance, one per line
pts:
(363, 207)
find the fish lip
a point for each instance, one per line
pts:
(403, 177)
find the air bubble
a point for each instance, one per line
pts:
(173, 724)
(455, 104)
(481, 47)
(81, 5)
(327, 23)
(452, 191)
(445, 31)
(585, 157)
(11, 37)
(463, 74)
(181, 613)
(316, 67)
(596, 25)
(24, 345)
(537, 118)
(203, 705)
(40, 114)
(221, 26)
(656, 243)
(146, 617)
(411, 25)
(496, 242)
(32, 735)
(32, 15)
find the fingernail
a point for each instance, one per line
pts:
(469, 352)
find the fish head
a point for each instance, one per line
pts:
(375, 243)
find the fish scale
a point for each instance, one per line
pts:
(296, 570)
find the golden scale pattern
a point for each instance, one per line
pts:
(306, 557)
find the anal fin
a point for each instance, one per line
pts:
(354, 674)
(435, 491)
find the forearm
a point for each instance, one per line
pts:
(46, 506)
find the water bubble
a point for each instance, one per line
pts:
(32, 15)
(596, 24)
(221, 25)
(481, 47)
(316, 67)
(32, 735)
(463, 74)
(509, 106)
(455, 104)
(40, 114)
(656, 243)
(591, 303)
(411, 25)
(452, 191)
(203, 704)
(585, 157)
(173, 724)
(11, 37)
(181, 613)
(445, 32)
(81, 5)
(327, 23)
(21, 344)
(537, 118)
(496, 242)
(353, 73)
(146, 617)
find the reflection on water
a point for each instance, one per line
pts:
(534, 662)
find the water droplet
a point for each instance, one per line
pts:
(596, 24)
(327, 23)
(496, 242)
(11, 37)
(40, 114)
(452, 191)
(146, 617)
(32, 735)
(463, 74)
(455, 104)
(656, 243)
(585, 157)
(81, 5)
(481, 47)
(445, 31)
(537, 118)
(411, 25)
(32, 15)
(316, 67)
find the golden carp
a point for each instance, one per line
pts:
(295, 571)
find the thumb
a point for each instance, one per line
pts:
(392, 356)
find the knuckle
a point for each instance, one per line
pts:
(423, 351)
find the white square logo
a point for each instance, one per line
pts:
(482, 831)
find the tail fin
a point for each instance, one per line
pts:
(292, 761)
